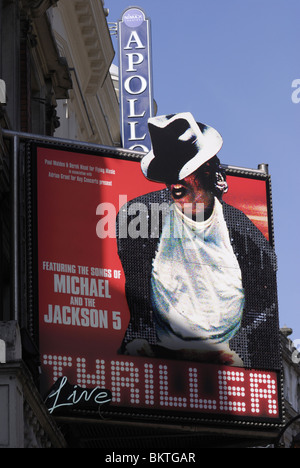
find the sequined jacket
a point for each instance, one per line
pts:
(257, 340)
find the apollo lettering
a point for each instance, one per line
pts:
(132, 62)
(135, 85)
(134, 39)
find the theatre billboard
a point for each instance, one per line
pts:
(80, 279)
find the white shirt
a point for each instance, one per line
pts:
(196, 282)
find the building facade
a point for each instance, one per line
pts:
(55, 81)
(91, 113)
(291, 392)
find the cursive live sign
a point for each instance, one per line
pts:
(64, 394)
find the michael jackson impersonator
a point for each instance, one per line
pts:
(201, 282)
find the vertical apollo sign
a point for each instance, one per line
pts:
(136, 99)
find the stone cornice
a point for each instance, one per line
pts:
(54, 67)
(36, 415)
(38, 7)
(87, 30)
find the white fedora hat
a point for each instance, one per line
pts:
(179, 146)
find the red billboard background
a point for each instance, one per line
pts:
(83, 312)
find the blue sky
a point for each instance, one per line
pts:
(232, 64)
